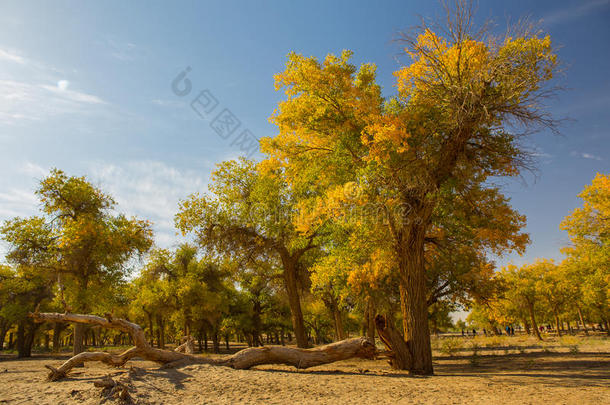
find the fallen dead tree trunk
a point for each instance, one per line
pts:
(244, 359)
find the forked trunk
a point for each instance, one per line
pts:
(557, 323)
(530, 307)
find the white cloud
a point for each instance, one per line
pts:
(590, 156)
(574, 12)
(21, 101)
(34, 170)
(150, 190)
(168, 103)
(585, 155)
(12, 56)
(17, 203)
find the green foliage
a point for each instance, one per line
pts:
(79, 241)
(451, 346)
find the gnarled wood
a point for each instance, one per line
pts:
(188, 346)
(142, 349)
(244, 359)
(399, 353)
(302, 358)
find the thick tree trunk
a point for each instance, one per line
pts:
(413, 299)
(526, 325)
(79, 337)
(557, 323)
(530, 307)
(244, 359)
(257, 323)
(339, 331)
(57, 329)
(26, 331)
(333, 306)
(370, 320)
(3, 331)
(161, 332)
(21, 351)
(151, 331)
(215, 342)
(294, 300)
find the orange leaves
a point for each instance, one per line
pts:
(385, 137)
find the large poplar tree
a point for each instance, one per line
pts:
(457, 120)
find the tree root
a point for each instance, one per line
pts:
(112, 389)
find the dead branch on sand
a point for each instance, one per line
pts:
(244, 359)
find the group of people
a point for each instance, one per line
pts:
(510, 331)
(467, 332)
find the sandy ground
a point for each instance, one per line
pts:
(532, 378)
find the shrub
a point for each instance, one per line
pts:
(571, 342)
(451, 346)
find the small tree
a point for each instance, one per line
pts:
(79, 242)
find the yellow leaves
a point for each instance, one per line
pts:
(386, 136)
(434, 61)
(372, 274)
(590, 221)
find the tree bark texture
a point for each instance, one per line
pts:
(244, 359)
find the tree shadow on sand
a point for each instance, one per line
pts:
(561, 369)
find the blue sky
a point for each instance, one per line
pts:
(86, 87)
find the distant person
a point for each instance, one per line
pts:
(462, 332)
(512, 331)
(484, 331)
(507, 329)
(474, 332)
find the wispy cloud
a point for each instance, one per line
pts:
(150, 190)
(540, 154)
(17, 202)
(32, 91)
(573, 12)
(585, 155)
(123, 51)
(34, 170)
(147, 189)
(12, 56)
(21, 101)
(167, 103)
